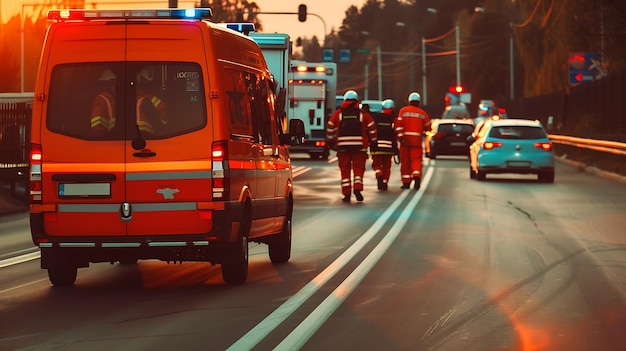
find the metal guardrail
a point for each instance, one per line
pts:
(612, 147)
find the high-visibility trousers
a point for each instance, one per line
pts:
(351, 164)
(381, 164)
(410, 163)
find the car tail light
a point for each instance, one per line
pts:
(320, 143)
(35, 174)
(490, 145)
(439, 135)
(219, 164)
(546, 146)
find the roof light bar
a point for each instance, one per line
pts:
(87, 14)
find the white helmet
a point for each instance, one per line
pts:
(107, 75)
(414, 97)
(146, 74)
(388, 103)
(350, 95)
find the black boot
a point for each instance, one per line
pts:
(405, 185)
(346, 198)
(417, 184)
(359, 196)
(384, 185)
(380, 183)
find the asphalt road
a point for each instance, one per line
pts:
(504, 264)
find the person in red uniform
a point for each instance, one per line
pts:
(386, 147)
(411, 122)
(151, 111)
(103, 106)
(350, 131)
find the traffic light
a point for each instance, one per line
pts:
(457, 89)
(302, 13)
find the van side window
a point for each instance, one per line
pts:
(261, 112)
(236, 89)
(91, 101)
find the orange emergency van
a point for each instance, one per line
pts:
(154, 136)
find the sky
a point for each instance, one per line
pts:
(324, 15)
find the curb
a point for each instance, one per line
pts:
(593, 170)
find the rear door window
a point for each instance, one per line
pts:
(112, 100)
(517, 132)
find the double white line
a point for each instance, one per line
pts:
(302, 333)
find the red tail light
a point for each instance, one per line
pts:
(490, 145)
(545, 146)
(219, 163)
(35, 174)
(439, 135)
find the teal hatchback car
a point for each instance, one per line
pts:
(512, 146)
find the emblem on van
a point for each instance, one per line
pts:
(168, 194)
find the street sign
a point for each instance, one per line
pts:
(344, 55)
(585, 66)
(363, 51)
(328, 55)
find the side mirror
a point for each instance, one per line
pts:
(296, 133)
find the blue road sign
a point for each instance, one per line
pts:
(344, 55)
(584, 66)
(328, 55)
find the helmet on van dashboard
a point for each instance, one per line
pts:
(414, 97)
(350, 95)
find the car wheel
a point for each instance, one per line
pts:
(280, 246)
(432, 155)
(62, 276)
(546, 177)
(472, 173)
(481, 175)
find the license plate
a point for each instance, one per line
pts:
(457, 144)
(514, 164)
(84, 189)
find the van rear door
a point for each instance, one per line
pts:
(168, 146)
(82, 172)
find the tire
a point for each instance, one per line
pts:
(432, 155)
(62, 276)
(280, 247)
(546, 177)
(235, 265)
(481, 175)
(472, 173)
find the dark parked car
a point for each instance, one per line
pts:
(448, 137)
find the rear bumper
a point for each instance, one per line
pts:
(79, 251)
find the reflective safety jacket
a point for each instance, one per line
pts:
(350, 128)
(151, 112)
(103, 113)
(410, 125)
(386, 144)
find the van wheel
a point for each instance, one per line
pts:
(62, 276)
(235, 265)
(280, 246)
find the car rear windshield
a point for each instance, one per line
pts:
(114, 100)
(518, 132)
(456, 128)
